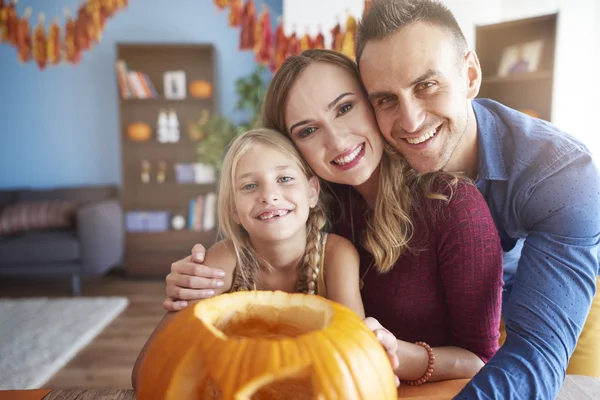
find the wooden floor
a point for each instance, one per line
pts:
(107, 361)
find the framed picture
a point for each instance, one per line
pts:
(521, 58)
(174, 85)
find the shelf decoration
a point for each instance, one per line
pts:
(162, 172)
(196, 129)
(146, 170)
(272, 47)
(178, 222)
(147, 221)
(521, 58)
(196, 173)
(216, 130)
(167, 126)
(174, 85)
(139, 131)
(531, 112)
(134, 84)
(200, 89)
(46, 46)
(202, 213)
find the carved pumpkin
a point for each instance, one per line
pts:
(201, 89)
(266, 345)
(139, 131)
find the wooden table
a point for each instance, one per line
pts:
(575, 388)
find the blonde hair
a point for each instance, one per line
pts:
(389, 227)
(249, 262)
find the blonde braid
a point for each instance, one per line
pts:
(248, 264)
(309, 272)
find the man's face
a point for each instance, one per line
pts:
(420, 87)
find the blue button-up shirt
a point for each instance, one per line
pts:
(543, 190)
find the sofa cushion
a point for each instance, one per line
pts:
(82, 194)
(39, 247)
(8, 197)
(37, 215)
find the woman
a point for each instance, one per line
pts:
(431, 261)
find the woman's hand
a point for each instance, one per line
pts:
(189, 279)
(387, 340)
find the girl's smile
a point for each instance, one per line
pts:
(273, 197)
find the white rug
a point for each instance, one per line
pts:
(38, 336)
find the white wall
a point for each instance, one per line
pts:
(470, 13)
(303, 14)
(576, 96)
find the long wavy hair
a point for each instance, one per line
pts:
(390, 226)
(249, 262)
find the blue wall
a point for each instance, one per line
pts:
(59, 127)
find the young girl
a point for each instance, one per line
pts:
(272, 218)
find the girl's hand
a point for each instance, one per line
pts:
(387, 340)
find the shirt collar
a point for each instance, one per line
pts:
(491, 162)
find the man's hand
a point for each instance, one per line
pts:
(387, 340)
(189, 279)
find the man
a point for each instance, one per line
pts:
(541, 185)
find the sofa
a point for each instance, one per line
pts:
(74, 232)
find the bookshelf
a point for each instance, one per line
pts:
(151, 198)
(517, 63)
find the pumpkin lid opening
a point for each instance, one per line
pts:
(265, 315)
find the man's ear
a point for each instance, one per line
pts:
(473, 74)
(313, 191)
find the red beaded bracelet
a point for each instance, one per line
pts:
(429, 371)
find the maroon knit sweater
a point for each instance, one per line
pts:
(448, 290)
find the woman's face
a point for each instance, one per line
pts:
(331, 122)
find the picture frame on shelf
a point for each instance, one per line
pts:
(175, 85)
(518, 59)
(521, 58)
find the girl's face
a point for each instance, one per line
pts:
(272, 195)
(332, 123)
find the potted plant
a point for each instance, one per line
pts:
(218, 130)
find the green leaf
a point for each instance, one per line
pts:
(250, 91)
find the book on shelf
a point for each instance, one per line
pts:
(134, 84)
(202, 212)
(195, 173)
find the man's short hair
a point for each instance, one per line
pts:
(385, 17)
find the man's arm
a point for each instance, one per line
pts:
(553, 287)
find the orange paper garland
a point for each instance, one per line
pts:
(272, 47)
(51, 46)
